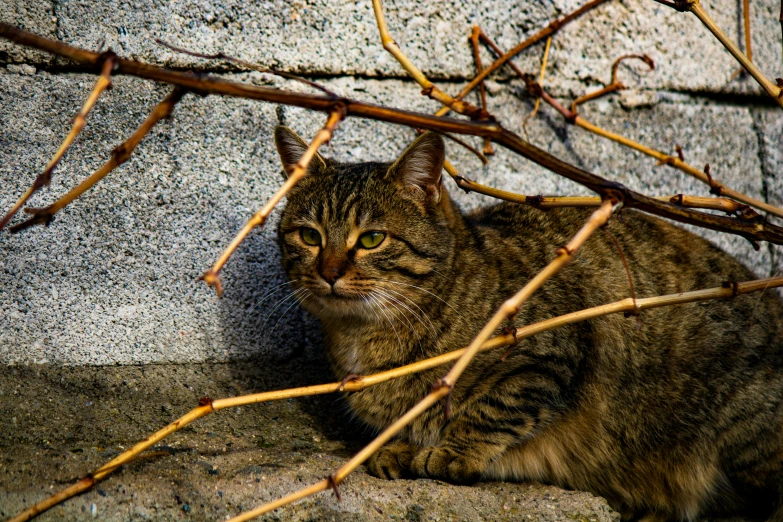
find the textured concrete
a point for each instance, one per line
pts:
(54, 430)
(337, 38)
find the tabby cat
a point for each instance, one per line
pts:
(669, 416)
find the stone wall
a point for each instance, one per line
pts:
(113, 279)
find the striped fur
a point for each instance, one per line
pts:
(670, 416)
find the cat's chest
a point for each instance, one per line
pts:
(362, 351)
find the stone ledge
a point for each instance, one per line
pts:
(58, 424)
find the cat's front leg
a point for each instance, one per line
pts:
(449, 464)
(392, 461)
(464, 453)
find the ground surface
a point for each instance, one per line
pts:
(58, 424)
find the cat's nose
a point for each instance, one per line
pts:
(331, 274)
(332, 270)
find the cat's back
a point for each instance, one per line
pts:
(693, 394)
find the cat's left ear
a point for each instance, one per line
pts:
(291, 149)
(418, 170)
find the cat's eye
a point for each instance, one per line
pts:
(371, 239)
(310, 236)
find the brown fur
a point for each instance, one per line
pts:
(669, 417)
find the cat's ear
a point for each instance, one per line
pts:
(418, 171)
(291, 149)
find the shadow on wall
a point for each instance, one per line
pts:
(275, 344)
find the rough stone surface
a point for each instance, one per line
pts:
(337, 38)
(54, 430)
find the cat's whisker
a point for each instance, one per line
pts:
(391, 323)
(411, 301)
(280, 303)
(297, 301)
(397, 312)
(274, 290)
(422, 289)
(406, 307)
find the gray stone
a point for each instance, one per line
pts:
(338, 38)
(113, 280)
(54, 430)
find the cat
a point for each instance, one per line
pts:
(668, 416)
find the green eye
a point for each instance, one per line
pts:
(371, 239)
(311, 236)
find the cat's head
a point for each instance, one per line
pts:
(358, 236)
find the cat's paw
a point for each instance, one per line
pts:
(445, 464)
(392, 461)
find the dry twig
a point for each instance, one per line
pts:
(758, 230)
(119, 155)
(79, 121)
(336, 115)
(474, 43)
(673, 161)
(553, 27)
(615, 85)
(223, 56)
(540, 82)
(428, 88)
(694, 6)
(729, 206)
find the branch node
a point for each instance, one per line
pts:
(211, 279)
(733, 285)
(509, 330)
(443, 383)
(564, 250)
(333, 484)
(535, 201)
(349, 378)
(205, 401)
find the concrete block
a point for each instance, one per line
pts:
(339, 38)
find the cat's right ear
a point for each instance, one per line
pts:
(418, 171)
(291, 149)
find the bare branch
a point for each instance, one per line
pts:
(695, 7)
(474, 43)
(428, 88)
(615, 85)
(726, 205)
(121, 154)
(540, 82)
(760, 231)
(571, 117)
(259, 218)
(44, 178)
(549, 30)
(223, 56)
